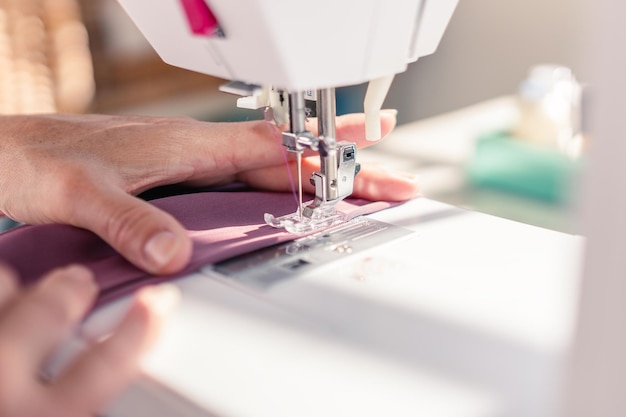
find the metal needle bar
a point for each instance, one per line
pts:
(300, 209)
(297, 122)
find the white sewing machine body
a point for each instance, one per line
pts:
(467, 315)
(297, 45)
(470, 315)
(280, 53)
(396, 329)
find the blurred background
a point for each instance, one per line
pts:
(458, 109)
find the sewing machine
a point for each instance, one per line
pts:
(455, 314)
(390, 323)
(467, 315)
(288, 57)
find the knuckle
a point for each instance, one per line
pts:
(67, 185)
(70, 178)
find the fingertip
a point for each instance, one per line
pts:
(407, 189)
(152, 305)
(351, 127)
(80, 279)
(146, 236)
(390, 112)
(377, 183)
(160, 299)
(77, 272)
(388, 120)
(108, 366)
(404, 189)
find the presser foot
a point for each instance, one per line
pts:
(299, 224)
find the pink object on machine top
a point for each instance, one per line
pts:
(201, 19)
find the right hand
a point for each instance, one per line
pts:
(83, 170)
(35, 321)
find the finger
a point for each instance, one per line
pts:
(95, 197)
(251, 145)
(148, 237)
(351, 127)
(372, 182)
(45, 315)
(378, 184)
(101, 373)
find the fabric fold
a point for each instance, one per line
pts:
(221, 225)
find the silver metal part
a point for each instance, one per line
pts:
(300, 205)
(326, 112)
(338, 166)
(240, 88)
(336, 179)
(266, 267)
(297, 113)
(297, 125)
(298, 138)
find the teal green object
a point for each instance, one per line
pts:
(513, 165)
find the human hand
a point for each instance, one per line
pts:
(35, 321)
(83, 171)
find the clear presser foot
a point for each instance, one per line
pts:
(299, 224)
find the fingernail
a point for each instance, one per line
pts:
(161, 248)
(392, 112)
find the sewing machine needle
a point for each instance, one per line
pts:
(299, 161)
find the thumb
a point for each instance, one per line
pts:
(148, 237)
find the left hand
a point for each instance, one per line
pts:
(36, 320)
(83, 171)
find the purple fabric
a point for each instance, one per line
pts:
(221, 225)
